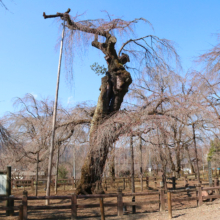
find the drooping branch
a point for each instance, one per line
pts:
(132, 40)
(77, 25)
(74, 123)
(3, 5)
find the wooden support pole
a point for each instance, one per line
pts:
(169, 201)
(120, 203)
(147, 182)
(216, 183)
(162, 201)
(102, 209)
(73, 206)
(141, 164)
(132, 173)
(199, 188)
(11, 205)
(124, 183)
(36, 183)
(174, 182)
(32, 184)
(54, 121)
(141, 180)
(73, 182)
(186, 182)
(106, 186)
(57, 169)
(21, 212)
(24, 204)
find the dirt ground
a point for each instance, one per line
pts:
(181, 210)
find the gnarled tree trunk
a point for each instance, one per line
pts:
(113, 88)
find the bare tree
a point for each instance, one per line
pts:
(117, 80)
(30, 128)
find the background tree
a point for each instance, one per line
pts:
(214, 152)
(30, 128)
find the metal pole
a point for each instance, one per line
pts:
(54, 120)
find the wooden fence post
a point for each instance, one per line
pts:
(32, 184)
(216, 183)
(162, 202)
(124, 183)
(186, 182)
(73, 182)
(106, 187)
(141, 180)
(11, 205)
(73, 206)
(155, 182)
(129, 182)
(147, 182)
(199, 188)
(21, 212)
(102, 209)
(120, 203)
(174, 182)
(24, 204)
(8, 189)
(169, 201)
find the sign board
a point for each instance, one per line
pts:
(3, 182)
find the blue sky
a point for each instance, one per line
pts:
(29, 61)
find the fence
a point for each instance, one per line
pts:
(23, 209)
(30, 183)
(123, 183)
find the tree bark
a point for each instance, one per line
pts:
(189, 160)
(178, 160)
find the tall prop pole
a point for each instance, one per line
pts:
(54, 120)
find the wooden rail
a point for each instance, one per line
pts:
(23, 209)
(122, 182)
